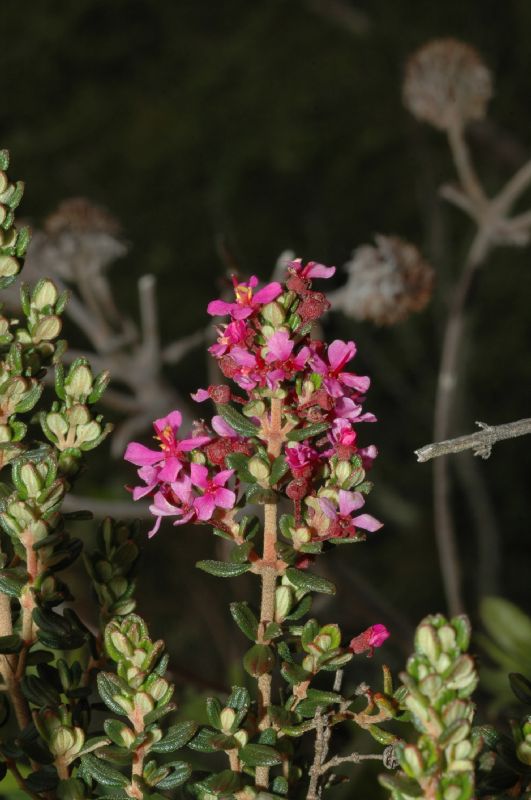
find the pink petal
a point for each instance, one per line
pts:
(142, 491)
(170, 470)
(161, 507)
(240, 312)
(349, 502)
(199, 475)
(224, 498)
(367, 522)
(279, 347)
(378, 635)
(201, 395)
(268, 293)
(314, 270)
(242, 357)
(155, 527)
(359, 382)
(222, 477)
(204, 506)
(192, 444)
(222, 428)
(219, 308)
(327, 508)
(339, 353)
(140, 455)
(172, 420)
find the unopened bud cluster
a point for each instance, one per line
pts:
(439, 680)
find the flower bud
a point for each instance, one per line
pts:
(342, 471)
(227, 718)
(158, 689)
(57, 424)
(79, 382)
(44, 294)
(31, 480)
(47, 328)
(61, 741)
(274, 313)
(258, 468)
(144, 703)
(283, 602)
(5, 433)
(242, 737)
(256, 408)
(9, 266)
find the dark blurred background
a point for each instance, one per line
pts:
(275, 125)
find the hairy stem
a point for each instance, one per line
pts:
(269, 574)
(8, 668)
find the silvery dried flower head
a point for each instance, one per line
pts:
(447, 83)
(387, 281)
(79, 238)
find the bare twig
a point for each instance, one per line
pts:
(480, 442)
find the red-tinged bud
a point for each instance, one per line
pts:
(228, 366)
(373, 637)
(297, 489)
(323, 399)
(217, 450)
(304, 561)
(344, 451)
(297, 284)
(241, 446)
(313, 306)
(219, 393)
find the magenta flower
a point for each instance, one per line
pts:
(339, 354)
(342, 434)
(246, 303)
(280, 356)
(344, 525)
(174, 500)
(235, 333)
(311, 270)
(301, 458)
(214, 492)
(373, 637)
(169, 458)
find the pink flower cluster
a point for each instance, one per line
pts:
(366, 641)
(180, 487)
(265, 350)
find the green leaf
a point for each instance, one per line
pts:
(222, 784)
(43, 780)
(12, 581)
(257, 494)
(259, 660)
(401, 785)
(239, 462)
(213, 710)
(286, 523)
(308, 582)
(102, 773)
(508, 625)
(306, 433)
(294, 673)
(259, 755)
(302, 609)
(237, 421)
(10, 644)
(180, 773)
(177, 736)
(202, 742)
(245, 619)
(222, 569)
(279, 467)
(108, 687)
(239, 700)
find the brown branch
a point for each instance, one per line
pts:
(480, 442)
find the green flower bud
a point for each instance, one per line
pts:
(5, 433)
(61, 741)
(258, 468)
(57, 424)
(144, 703)
(121, 643)
(87, 433)
(79, 382)
(158, 689)
(47, 329)
(447, 638)
(256, 408)
(283, 602)
(9, 266)
(227, 719)
(44, 294)
(411, 761)
(427, 642)
(242, 737)
(342, 471)
(78, 414)
(31, 480)
(274, 313)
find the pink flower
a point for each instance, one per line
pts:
(174, 500)
(279, 355)
(311, 270)
(373, 637)
(230, 335)
(170, 456)
(246, 303)
(342, 436)
(214, 492)
(339, 354)
(344, 525)
(301, 458)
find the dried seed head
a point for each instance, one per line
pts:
(78, 238)
(446, 82)
(386, 282)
